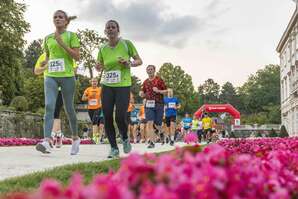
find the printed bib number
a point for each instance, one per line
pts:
(172, 105)
(56, 65)
(150, 103)
(93, 102)
(113, 77)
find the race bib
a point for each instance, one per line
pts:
(113, 77)
(56, 65)
(172, 105)
(93, 102)
(150, 103)
(133, 119)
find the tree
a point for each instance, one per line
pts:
(90, 42)
(209, 91)
(181, 83)
(32, 53)
(136, 88)
(228, 95)
(260, 90)
(34, 92)
(12, 28)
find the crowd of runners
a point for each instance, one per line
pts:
(111, 100)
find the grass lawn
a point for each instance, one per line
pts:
(30, 182)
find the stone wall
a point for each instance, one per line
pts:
(29, 125)
(20, 124)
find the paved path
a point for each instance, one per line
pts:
(17, 161)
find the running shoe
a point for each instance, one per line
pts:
(126, 146)
(75, 147)
(43, 147)
(172, 143)
(151, 145)
(114, 153)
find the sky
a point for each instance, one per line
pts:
(226, 40)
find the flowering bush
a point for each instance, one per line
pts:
(213, 173)
(32, 141)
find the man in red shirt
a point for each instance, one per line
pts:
(153, 90)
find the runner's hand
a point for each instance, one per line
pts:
(44, 64)
(98, 66)
(142, 94)
(123, 61)
(58, 38)
(155, 89)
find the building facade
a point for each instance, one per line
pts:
(288, 54)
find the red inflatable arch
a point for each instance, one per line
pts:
(219, 108)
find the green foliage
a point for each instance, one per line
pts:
(283, 132)
(12, 28)
(273, 133)
(82, 84)
(20, 103)
(90, 42)
(228, 95)
(32, 53)
(34, 92)
(181, 83)
(209, 91)
(32, 181)
(260, 90)
(136, 88)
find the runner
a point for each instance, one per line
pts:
(186, 124)
(114, 59)
(130, 108)
(134, 121)
(92, 94)
(207, 125)
(56, 134)
(153, 90)
(171, 106)
(197, 127)
(143, 122)
(61, 48)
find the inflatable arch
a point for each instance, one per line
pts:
(220, 108)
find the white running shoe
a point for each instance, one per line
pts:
(43, 147)
(75, 147)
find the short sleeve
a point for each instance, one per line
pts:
(99, 55)
(132, 51)
(45, 46)
(74, 41)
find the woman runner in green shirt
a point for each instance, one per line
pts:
(61, 48)
(114, 59)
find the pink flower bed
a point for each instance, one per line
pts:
(213, 173)
(4, 142)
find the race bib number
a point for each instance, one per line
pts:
(150, 103)
(93, 102)
(113, 77)
(172, 105)
(56, 65)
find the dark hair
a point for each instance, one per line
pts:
(68, 18)
(150, 66)
(114, 21)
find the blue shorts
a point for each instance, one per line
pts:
(155, 114)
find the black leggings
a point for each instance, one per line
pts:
(118, 96)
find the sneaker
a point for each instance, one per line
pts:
(167, 139)
(43, 147)
(58, 142)
(126, 146)
(75, 147)
(172, 143)
(151, 145)
(114, 153)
